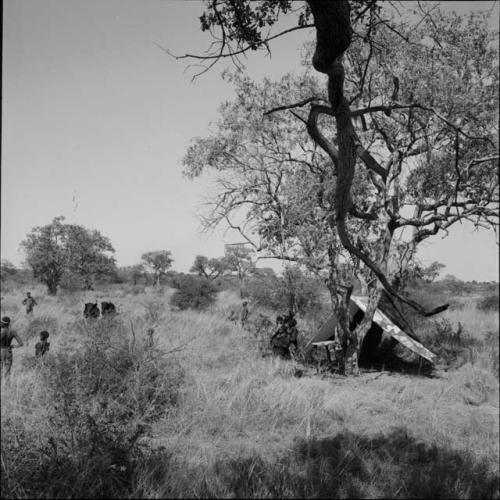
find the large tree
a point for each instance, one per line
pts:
(273, 185)
(60, 249)
(415, 106)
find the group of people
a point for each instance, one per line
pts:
(7, 336)
(284, 338)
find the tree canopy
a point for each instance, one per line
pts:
(58, 249)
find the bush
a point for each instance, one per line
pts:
(193, 292)
(489, 303)
(97, 403)
(454, 347)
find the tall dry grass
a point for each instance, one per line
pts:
(244, 425)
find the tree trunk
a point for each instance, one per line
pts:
(51, 287)
(353, 350)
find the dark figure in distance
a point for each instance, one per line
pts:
(285, 335)
(43, 346)
(291, 324)
(6, 337)
(148, 340)
(280, 341)
(244, 313)
(29, 302)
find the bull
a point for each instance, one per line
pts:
(108, 308)
(91, 310)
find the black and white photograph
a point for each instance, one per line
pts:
(250, 249)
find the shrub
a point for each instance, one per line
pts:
(489, 303)
(99, 400)
(454, 347)
(193, 292)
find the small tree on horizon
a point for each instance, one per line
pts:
(158, 261)
(209, 268)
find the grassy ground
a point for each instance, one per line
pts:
(244, 425)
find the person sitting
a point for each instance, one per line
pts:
(43, 346)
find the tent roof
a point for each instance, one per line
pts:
(381, 319)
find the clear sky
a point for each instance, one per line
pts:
(96, 119)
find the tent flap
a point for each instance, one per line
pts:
(394, 331)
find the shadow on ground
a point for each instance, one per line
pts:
(347, 465)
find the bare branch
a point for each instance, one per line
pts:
(295, 105)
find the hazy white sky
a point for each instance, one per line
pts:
(96, 119)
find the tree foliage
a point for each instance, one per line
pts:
(158, 261)
(60, 249)
(209, 268)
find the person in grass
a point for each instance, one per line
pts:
(148, 340)
(7, 335)
(43, 346)
(29, 302)
(280, 341)
(244, 313)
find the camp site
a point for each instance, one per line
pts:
(249, 249)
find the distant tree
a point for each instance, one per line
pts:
(158, 261)
(209, 268)
(238, 260)
(58, 249)
(132, 274)
(431, 272)
(7, 269)
(137, 272)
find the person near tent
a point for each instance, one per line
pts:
(43, 345)
(280, 341)
(29, 302)
(6, 337)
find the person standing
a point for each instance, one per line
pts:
(280, 340)
(6, 337)
(244, 313)
(148, 340)
(29, 302)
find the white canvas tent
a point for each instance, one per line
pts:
(384, 332)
